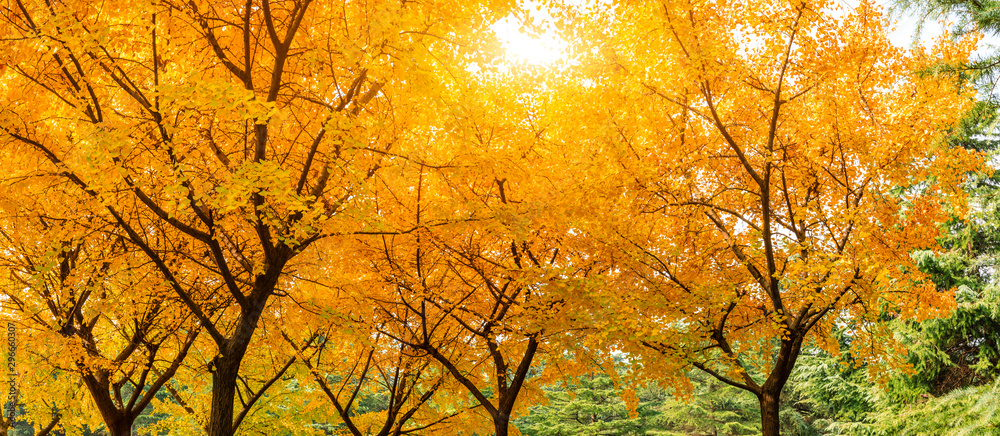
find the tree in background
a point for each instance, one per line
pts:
(592, 404)
(951, 388)
(963, 350)
(589, 405)
(953, 359)
(761, 152)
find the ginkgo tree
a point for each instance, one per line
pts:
(85, 306)
(706, 183)
(221, 140)
(488, 256)
(767, 169)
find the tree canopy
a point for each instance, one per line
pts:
(358, 217)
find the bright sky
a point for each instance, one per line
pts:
(906, 27)
(547, 48)
(522, 47)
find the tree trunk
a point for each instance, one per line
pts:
(118, 422)
(769, 405)
(501, 424)
(231, 352)
(770, 394)
(227, 368)
(121, 428)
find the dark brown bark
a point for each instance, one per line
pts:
(117, 421)
(770, 393)
(232, 343)
(226, 365)
(48, 429)
(769, 405)
(118, 412)
(224, 379)
(501, 424)
(118, 409)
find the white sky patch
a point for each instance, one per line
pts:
(522, 46)
(901, 30)
(903, 27)
(540, 46)
(529, 36)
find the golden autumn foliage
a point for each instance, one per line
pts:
(774, 166)
(262, 216)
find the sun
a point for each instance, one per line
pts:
(533, 48)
